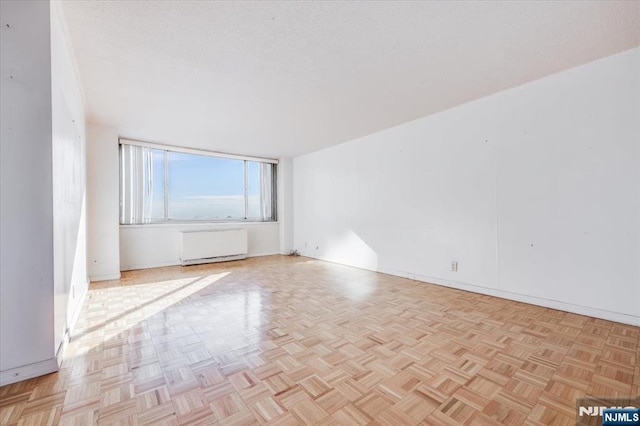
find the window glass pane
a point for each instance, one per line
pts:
(253, 172)
(157, 185)
(203, 187)
(199, 187)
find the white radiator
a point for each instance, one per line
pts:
(212, 246)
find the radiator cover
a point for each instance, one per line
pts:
(212, 246)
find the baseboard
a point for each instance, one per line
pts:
(178, 262)
(218, 259)
(135, 267)
(28, 371)
(532, 300)
(517, 297)
(76, 314)
(68, 334)
(364, 268)
(104, 277)
(62, 348)
(274, 253)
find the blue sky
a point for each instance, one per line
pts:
(203, 187)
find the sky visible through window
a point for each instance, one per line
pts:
(161, 185)
(203, 187)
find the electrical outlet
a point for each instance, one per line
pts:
(305, 244)
(454, 266)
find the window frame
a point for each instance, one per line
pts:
(168, 148)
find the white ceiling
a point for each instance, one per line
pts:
(283, 79)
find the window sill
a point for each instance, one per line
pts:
(195, 224)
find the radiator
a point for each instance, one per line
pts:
(212, 246)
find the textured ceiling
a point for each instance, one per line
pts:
(283, 79)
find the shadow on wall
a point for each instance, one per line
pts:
(349, 248)
(70, 266)
(69, 212)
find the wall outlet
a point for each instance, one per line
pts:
(454, 266)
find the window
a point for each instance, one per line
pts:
(169, 184)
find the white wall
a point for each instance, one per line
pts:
(285, 204)
(534, 191)
(44, 273)
(149, 246)
(103, 200)
(69, 181)
(114, 248)
(26, 193)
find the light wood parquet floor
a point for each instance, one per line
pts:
(284, 341)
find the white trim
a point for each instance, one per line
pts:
(137, 266)
(28, 371)
(62, 348)
(76, 314)
(68, 334)
(196, 222)
(533, 300)
(178, 262)
(275, 253)
(195, 151)
(517, 297)
(104, 277)
(165, 203)
(218, 259)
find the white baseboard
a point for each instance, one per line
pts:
(150, 265)
(178, 262)
(275, 253)
(533, 300)
(76, 314)
(104, 277)
(71, 327)
(219, 259)
(62, 348)
(28, 371)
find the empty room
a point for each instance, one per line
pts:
(320, 213)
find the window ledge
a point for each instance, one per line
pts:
(204, 223)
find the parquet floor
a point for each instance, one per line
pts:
(284, 341)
